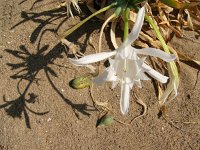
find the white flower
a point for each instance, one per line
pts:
(75, 5)
(127, 67)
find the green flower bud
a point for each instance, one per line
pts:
(105, 120)
(80, 82)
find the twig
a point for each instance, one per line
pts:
(139, 101)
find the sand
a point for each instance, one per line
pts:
(40, 111)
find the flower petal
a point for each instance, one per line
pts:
(99, 80)
(107, 75)
(125, 96)
(92, 58)
(154, 74)
(143, 76)
(114, 84)
(137, 27)
(138, 83)
(156, 53)
(92, 68)
(132, 69)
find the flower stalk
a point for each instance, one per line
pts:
(126, 26)
(68, 32)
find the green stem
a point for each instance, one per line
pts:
(158, 34)
(68, 32)
(126, 27)
(173, 71)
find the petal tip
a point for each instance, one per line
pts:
(124, 112)
(72, 61)
(142, 10)
(172, 58)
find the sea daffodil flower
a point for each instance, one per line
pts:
(127, 68)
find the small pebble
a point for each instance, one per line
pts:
(49, 119)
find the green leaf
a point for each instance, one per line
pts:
(179, 5)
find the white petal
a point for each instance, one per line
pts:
(107, 75)
(118, 67)
(153, 73)
(92, 58)
(132, 69)
(156, 53)
(124, 99)
(138, 83)
(125, 51)
(111, 61)
(101, 78)
(92, 68)
(143, 76)
(137, 27)
(114, 84)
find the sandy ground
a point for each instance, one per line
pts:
(39, 110)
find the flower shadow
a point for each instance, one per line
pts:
(27, 70)
(52, 20)
(35, 2)
(43, 19)
(18, 107)
(31, 64)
